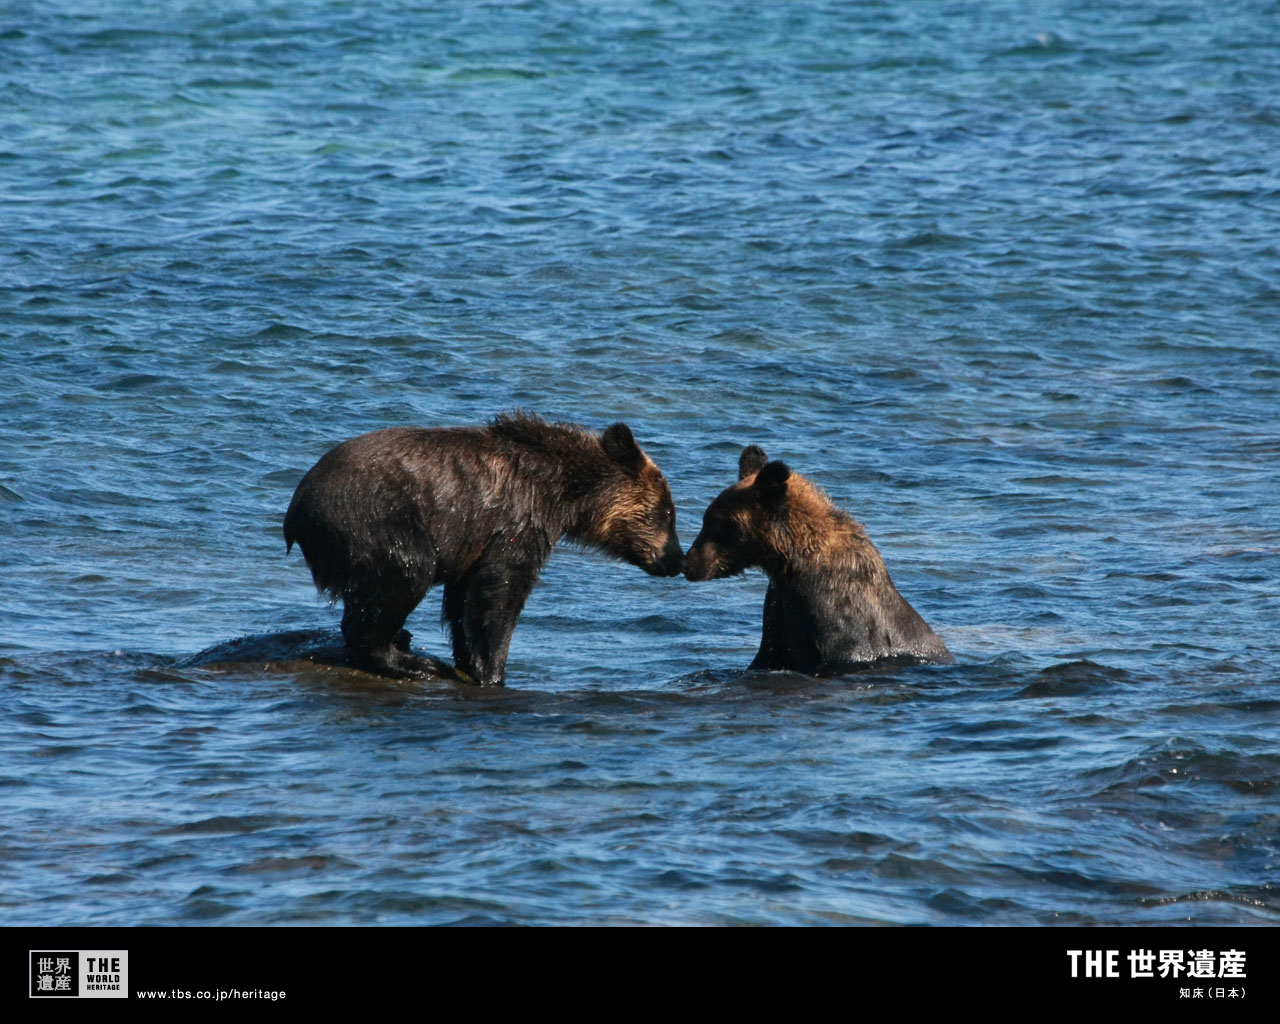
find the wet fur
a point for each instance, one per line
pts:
(384, 517)
(831, 605)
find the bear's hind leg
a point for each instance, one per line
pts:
(372, 625)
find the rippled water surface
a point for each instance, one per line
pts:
(1002, 277)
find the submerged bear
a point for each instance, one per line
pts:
(831, 605)
(384, 517)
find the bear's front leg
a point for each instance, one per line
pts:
(775, 653)
(494, 593)
(452, 612)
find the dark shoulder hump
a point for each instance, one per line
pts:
(531, 430)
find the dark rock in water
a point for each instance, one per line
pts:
(301, 651)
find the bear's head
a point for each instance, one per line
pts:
(635, 519)
(746, 525)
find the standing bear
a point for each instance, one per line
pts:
(830, 606)
(385, 516)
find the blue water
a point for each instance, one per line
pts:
(1002, 277)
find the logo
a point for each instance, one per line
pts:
(80, 974)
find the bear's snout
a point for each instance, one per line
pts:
(670, 562)
(698, 562)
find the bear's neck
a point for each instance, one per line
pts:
(572, 467)
(823, 547)
(577, 481)
(588, 489)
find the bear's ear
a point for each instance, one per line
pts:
(751, 460)
(620, 445)
(771, 482)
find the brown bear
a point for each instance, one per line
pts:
(830, 606)
(385, 516)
